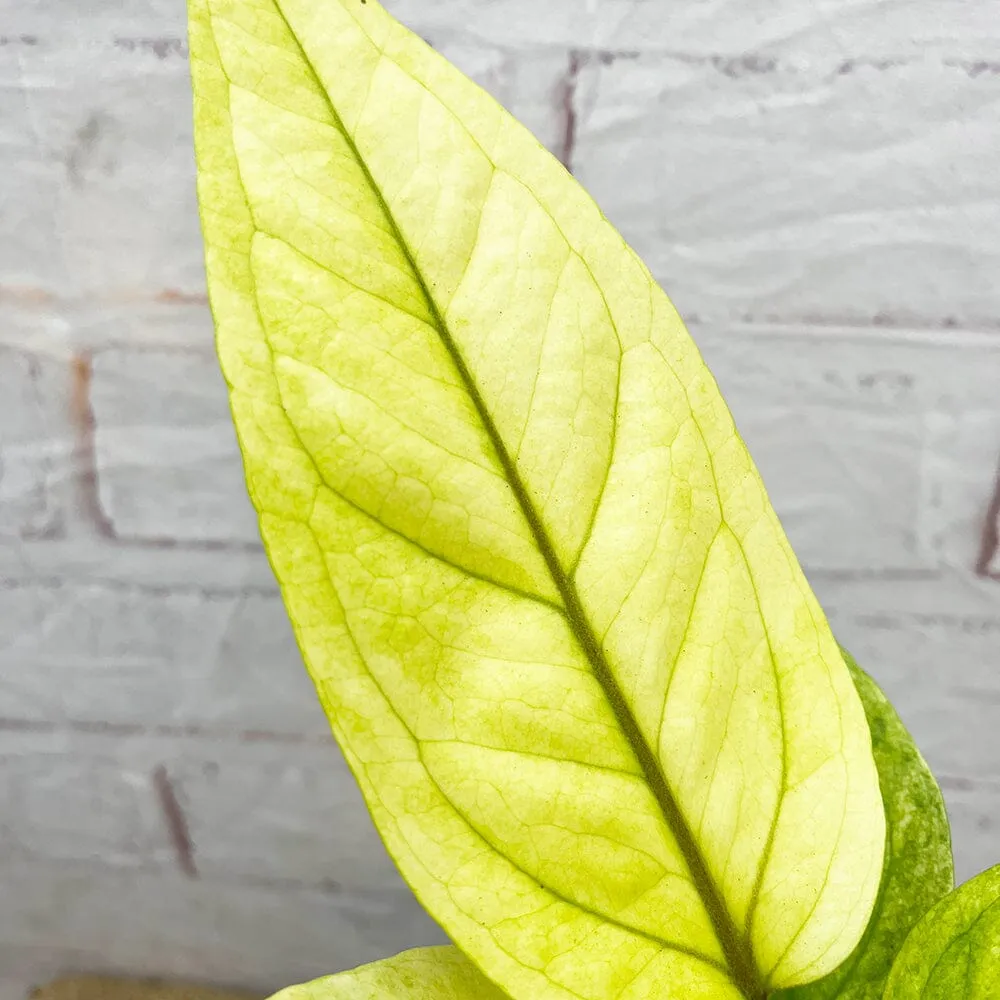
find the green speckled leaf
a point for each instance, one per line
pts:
(918, 863)
(954, 952)
(595, 710)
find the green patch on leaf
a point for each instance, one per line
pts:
(596, 712)
(918, 863)
(954, 952)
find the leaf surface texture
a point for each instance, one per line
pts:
(954, 952)
(596, 712)
(918, 869)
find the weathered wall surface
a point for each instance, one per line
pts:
(815, 184)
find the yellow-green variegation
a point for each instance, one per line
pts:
(595, 710)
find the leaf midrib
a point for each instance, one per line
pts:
(742, 968)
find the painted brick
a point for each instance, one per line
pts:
(991, 561)
(939, 671)
(168, 463)
(963, 460)
(34, 325)
(892, 372)
(868, 196)
(258, 811)
(878, 448)
(51, 21)
(825, 30)
(845, 484)
(263, 811)
(32, 179)
(64, 805)
(165, 925)
(836, 428)
(139, 657)
(100, 142)
(905, 600)
(98, 561)
(974, 811)
(167, 321)
(931, 644)
(35, 442)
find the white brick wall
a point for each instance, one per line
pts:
(34, 448)
(856, 195)
(816, 187)
(165, 450)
